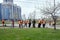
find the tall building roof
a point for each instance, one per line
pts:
(8, 1)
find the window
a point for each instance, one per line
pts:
(6, 0)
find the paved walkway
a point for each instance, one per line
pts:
(17, 26)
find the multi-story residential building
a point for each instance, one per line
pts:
(0, 12)
(9, 10)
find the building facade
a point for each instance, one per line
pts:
(10, 10)
(0, 12)
(9, 1)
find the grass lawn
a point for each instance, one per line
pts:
(29, 34)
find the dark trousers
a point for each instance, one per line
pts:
(13, 25)
(3, 23)
(43, 25)
(34, 25)
(19, 26)
(29, 25)
(39, 25)
(26, 24)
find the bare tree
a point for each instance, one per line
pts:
(53, 11)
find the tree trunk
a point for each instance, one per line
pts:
(54, 27)
(54, 24)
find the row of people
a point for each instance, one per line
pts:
(28, 22)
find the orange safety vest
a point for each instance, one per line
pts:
(43, 22)
(27, 21)
(2, 21)
(39, 21)
(23, 22)
(19, 22)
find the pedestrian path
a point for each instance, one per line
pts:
(17, 26)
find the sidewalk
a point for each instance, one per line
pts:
(17, 26)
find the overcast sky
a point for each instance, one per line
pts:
(29, 6)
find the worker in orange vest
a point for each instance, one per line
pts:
(13, 23)
(49, 23)
(3, 22)
(39, 23)
(43, 23)
(53, 23)
(34, 22)
(26, 22)
(29, 22)
(20, 24)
